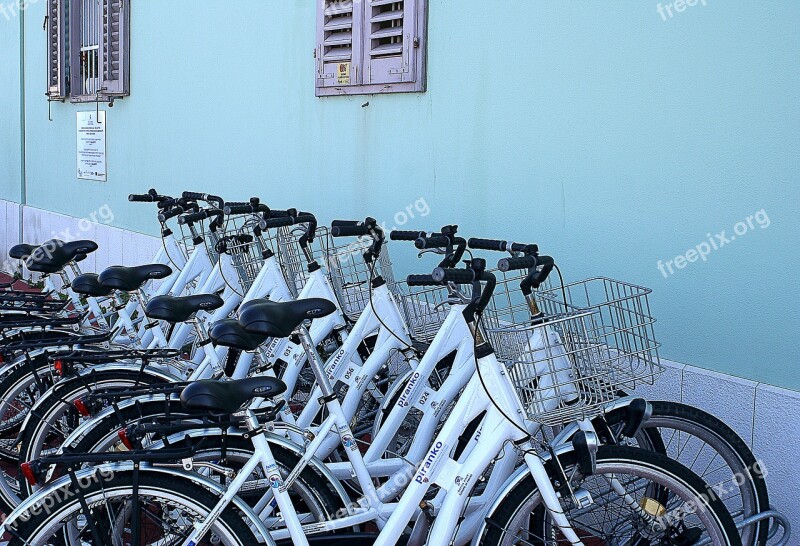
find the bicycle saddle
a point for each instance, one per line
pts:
(21, 252)
(229, 396)
(53, 255)
(280, 319)
(88, 284)
(129, 279)
(180, 309)
(229, 333)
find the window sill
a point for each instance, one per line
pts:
(370, 89)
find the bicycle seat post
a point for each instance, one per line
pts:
(315, 362)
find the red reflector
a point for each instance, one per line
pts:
(123, 436)
(2, 359)
(82, 409)
(59, 367)
(27, 471)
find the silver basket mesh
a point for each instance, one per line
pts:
(290, 254)
(424, 309)
(621, 323)
(350, 275)
(246, 254)
(555, 366)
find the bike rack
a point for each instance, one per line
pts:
(779, 521)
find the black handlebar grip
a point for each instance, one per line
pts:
(244, 208)
(458, 276)
(277, 222)
(305, 218)
(140, 198)
(193, 217)
(339, 223)
(487, 244)
(172, 213)
(511, 264)
(350, 231)
(193, 195)
(421, 280)
(437, 241)
(405, 235)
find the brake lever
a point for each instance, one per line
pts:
(439, 251)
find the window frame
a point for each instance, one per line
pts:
(66, 51)
(414, 52)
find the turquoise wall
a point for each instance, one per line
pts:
(611, 137)
(10, 119)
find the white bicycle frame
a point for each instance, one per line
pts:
(457, 478)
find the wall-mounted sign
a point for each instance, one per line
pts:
(92, 145)
(344, 74)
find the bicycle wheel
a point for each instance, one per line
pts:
(54, 416)
(713, 451)
(311, 493)
(168, 508)
(639, 498)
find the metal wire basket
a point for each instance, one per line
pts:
(350, 274)
(554, 365)
(290, 255)
(238, 239)
(424, 309)
(621, 323)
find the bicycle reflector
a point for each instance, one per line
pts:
(123, 436)
(58, 365)
(82, 409)
(29, 472)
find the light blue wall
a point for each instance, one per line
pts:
(609, 136)
(10, 134)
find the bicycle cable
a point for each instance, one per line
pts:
(219, 263)
(371, 267)
(483, 384)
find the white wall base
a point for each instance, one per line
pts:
(117, 246)
(766, 417)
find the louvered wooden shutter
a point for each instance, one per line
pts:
(338, 44)
(393, 40)
(57, 25)
(115, 47)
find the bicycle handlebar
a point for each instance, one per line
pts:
(501, 246)
(406, 235)
(151, 196)
(525, 262)
(434, 241)
(172, 213)
(244, 208)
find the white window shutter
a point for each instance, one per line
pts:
(393, 38)
(339, 43)
(56, 49)
(115, 47)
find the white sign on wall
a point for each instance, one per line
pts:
(92, 145)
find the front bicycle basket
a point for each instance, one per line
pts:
(291, 257)
(554, 365)
(350, 275)
(620, 321)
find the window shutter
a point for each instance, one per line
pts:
(338, 40)
(115, 47)
(394, 40)
(56, 49)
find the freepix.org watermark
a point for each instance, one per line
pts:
(703, 250)
(668, 10)
(10, 10)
